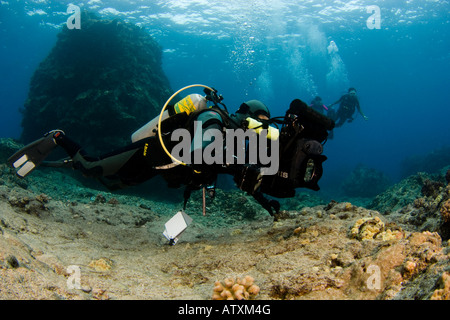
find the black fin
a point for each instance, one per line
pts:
(31, 156)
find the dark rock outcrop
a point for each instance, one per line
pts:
(431, 162)
(99, 84)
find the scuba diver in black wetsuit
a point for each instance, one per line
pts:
(300, 149)
(318, 105)
(348, 104)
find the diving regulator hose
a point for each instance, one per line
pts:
(161, 115)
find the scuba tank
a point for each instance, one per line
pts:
(191, 103)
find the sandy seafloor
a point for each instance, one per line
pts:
(51, 223)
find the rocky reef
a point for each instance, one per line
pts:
(420, 202)
(430, 162)
(55, 228)
(99, 84)
(443, 293)
(445, 211)
(7, 148)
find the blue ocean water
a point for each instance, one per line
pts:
(276, 51)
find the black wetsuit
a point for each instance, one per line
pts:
(140, 161)
(348, 105)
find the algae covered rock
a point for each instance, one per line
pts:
(445, 211)
(99, 84)
(443, 293)
(431, 162)
(8, 147)
(419, 202)
(400, 194)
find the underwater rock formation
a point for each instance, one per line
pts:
(445, 211)
(420, 201)
(432, 188)
(99, 84)
(365, 182)
(430, 163)
(8, 147)
(51, 222)
(400, 194)
(308, 254)
(443, 293)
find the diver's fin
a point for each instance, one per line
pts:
(29, 157)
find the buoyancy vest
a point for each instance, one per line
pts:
(304, 130)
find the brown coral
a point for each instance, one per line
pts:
(239, 289)
(445, 211)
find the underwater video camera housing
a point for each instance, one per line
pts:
(302, 136)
